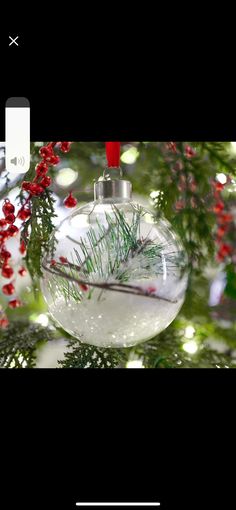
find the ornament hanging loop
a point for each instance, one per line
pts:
(107, 172)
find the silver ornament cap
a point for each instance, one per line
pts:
(113, 188)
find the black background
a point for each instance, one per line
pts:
(122, 435)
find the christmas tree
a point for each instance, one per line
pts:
(191, 183)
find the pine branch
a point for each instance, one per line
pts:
(115, 287)
(19, 343)
(86, 356)
(166, 351)
(37, 232)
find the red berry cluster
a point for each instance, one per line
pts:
(40, 182)
(188, 150)
(224, 221)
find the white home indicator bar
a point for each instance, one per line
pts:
(17, 134)
(118, 504)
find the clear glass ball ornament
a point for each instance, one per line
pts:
(116, 276)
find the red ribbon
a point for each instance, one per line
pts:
(113, 154)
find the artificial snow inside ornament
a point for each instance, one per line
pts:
(116, 276)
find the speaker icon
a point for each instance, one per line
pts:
(18, 161)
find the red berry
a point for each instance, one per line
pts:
(70, 201)
(14, 303)
(225, 218)
(10, 218)
(65, 146)
(7, 271)
(23, 213)
(46, 181)
(219, 206)
(5, 255)
(224, 250)
(12, 230)
(172, 146)
(63, 260)
(22, 271)
(151, 290)
(46, 152)
(53, 262)
(8, 289)
(222, 230)
(7, 207)
(83, 286)
(3, 223)
(218, 186)
(54, 160)
(35, 189)
(22, 248)
(179, 204)
(42, 168)
(189, 151)
(4, 322)
(4, 234)
(26, 185)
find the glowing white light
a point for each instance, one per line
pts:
(190, 347)
(149, 218)
(22, 361)
(233, 146)
(222, 178)
(137, 363)
(189, 332)
(129, 157)
(154, 194)
(42, 319)
(66, 177)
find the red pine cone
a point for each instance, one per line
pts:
(4, 322)
(3, 223)
(24, 213)
(41, 168)
(14, 303)
(70, 201)
(7, 207)
(7, 271)
(65, 146)
(12, 230)
(35, 189)
(46, 181)
(8, 289)
(54, 160)
(46, 152)
(5, 255)
(10, 218)
(4, 235)
(22, 271)
(26, 185)
(22, 248)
